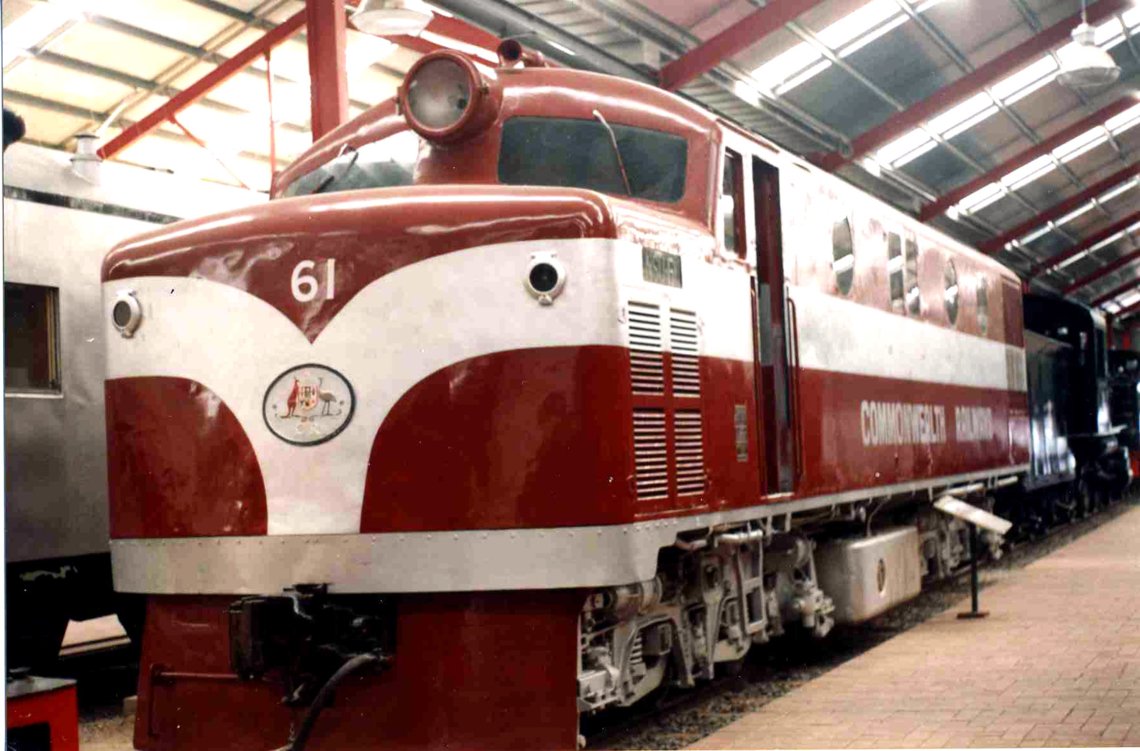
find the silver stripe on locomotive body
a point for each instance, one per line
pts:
(845, 336)
(471, 560)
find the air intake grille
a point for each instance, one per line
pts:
(684, 345)
(689, 452)
(647, 364)
(651, 464)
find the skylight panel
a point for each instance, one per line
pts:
(911, 156)
(981, 198)
(866, 39)
(1118, 190)
(785, 65)
(33, 27)
(795, 81)
(846, 36)
(959, 113)
(1029, 170)
(1129, 299)
(902, 145)
(1035, 234)
(1123, 121)
(1072, 145)
(857, 23)
(1075, 213)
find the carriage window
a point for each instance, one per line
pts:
(950, 296)
(843, 254)
(732, 203)
(568, 153)
(983, 305)
(910, 278)
(31, 338)
(386, 163)
(895, 270)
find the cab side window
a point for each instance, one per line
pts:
(732, 203)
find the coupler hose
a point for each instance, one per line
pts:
(352, 665)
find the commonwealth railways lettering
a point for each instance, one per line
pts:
(904, 424)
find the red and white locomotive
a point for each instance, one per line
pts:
(539, 389)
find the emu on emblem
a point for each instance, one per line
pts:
(308, 404)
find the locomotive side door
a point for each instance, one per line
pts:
(771, 309)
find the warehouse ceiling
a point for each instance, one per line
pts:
(949, 109)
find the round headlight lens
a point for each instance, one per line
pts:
(121, 313)
(543, 277)
(439, 94)
(126, 313)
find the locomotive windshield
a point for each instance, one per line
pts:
(570, 153)
(543, 151)
(387, 163)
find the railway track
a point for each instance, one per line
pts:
(677, 718)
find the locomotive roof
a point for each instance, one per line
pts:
(562, 90)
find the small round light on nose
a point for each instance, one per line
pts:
(545, 277)
(126, 313)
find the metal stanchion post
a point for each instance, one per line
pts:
(974, 612)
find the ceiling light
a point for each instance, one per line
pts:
(1083, 64)
(391, 17)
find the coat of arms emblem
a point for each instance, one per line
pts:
(308, 404)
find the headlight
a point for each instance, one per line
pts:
(126, 313)
(444, 97)
(545, 277)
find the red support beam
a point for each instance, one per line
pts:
(971, 83)
(1058, 210)
(326, 26)
(204, 85)
(735, 39)
(1115, 292)
(1099, 117)
(1083, 245)
(1101, 272)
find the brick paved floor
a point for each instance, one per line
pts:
(1056, 664)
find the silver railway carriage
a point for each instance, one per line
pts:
(57, 228)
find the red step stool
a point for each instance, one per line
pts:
(42, 714)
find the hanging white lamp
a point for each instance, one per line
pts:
(1083, 64)
(391, 17)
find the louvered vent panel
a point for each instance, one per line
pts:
(689, 452)
(647, 365)
(651, 465)
(685, 345)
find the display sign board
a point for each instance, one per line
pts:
(972, 514)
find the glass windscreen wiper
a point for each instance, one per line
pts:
(330, 178)
(617, 152)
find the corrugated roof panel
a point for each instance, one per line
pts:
(90, 43)
(63, 85)
(177, 19)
